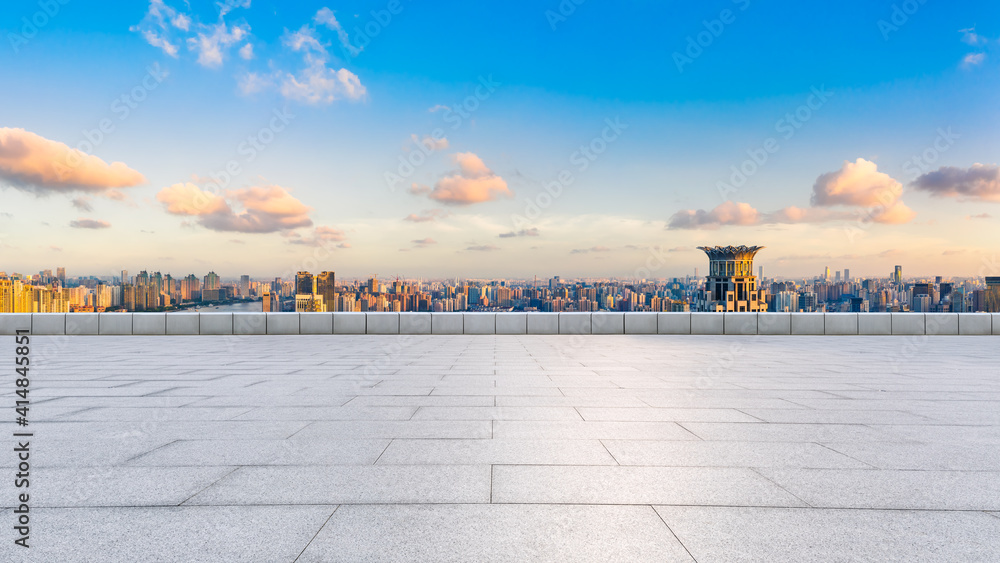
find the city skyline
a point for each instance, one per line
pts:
(730, 286)
(251, 136)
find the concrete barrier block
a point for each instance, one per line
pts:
(673, 323)
(249, 323)
(974, 324)
(739, 323)
(114, 323)
(183, 323)
(414, 323)
(48, 323)
(575, 323)
(640, 323)
(996, 323)
(282, 323)
(149, 323)
(877, 324)
(808, 323)
(708, 323)
(607, 323)
(10, 323)
(479, 323)
(774, 324)
(447, 323)
(543, 323)
(315, 323)
(382, 323)
(941, 323)
(81, 323)
(908, 323)
(512, 323)
(350, 323)
(841, 323)
(215, 323)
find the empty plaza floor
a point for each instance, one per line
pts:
(508, 448)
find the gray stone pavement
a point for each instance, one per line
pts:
(509, 448)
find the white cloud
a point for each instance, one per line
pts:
(973, 59)
(211, 43)
(325, 16)
(166, 28)
(246, 52)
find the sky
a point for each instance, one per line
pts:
(498, 139)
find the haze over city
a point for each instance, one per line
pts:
(394, 139)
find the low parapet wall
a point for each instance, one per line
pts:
(979, 324)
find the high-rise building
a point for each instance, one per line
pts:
(245, 286)
(6, 295)
(211, 281)
(837, 278)
(272, 303)
(61, 274)
(847, 275)
(991, 297)
(731, 285)
(826, 274)
(304, 284)
(897, 277)
(327, 287)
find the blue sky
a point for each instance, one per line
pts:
(696, 89)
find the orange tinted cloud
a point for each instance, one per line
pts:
(474, 182)
(266, 209)
(33, 163)
(727, 213)
(860, 184)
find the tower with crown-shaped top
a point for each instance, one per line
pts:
(730, 285)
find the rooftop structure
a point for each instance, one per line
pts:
(731, 285)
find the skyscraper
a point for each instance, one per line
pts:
(245, 286)
(326, 286)
(731, 285)
(898, 275)
(304, 284)
(847, 275)
(826, 274)
(61, 274)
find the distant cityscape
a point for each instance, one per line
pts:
(730, 286)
